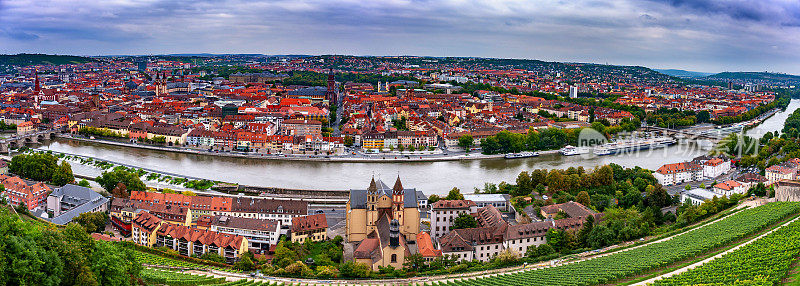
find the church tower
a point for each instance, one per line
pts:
(37, 89)
(398, 199)
(372, 205)
(330, 93)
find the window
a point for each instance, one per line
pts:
(394, 258)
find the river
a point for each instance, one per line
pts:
(429, 177)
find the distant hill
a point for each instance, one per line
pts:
(754, 76)
(41, 59)
(683, 73)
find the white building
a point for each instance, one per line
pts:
(573, 91)
(729, 187)
(500, 201)
(444, 212)
(697, 196)
(677, 173)
(716, 167)
(260, 233)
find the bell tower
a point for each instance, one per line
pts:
(372, 205)
(398, 199)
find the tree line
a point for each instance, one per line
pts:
(42, 167)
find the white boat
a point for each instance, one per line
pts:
(521, 155)
(570, 150)
(633, 145)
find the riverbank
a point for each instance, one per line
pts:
(165, 180)
(367, 158)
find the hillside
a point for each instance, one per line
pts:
(755, 77)
(682, 73)
(41, 59)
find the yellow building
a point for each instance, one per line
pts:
(384, 246)
(366, 207)
(313, 227)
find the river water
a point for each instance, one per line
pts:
(429, 177)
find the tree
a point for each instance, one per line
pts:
(465, 141)
(92, 221)
(109, 180)
(283, 255)
(583, 198)
(657, 196)
(454, 194)
(352, 269)
(587, 228)
(244, 264)
(433, 199)
(62, 175)
(539, 251)
(41, 167)
(113, 266)
(600, 236)
(464, 221)
(524, 185)
(555, 238)
(415, 262)
(84, 183)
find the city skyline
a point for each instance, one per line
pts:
(705, 36)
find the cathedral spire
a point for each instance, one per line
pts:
(36, 86)
(373, 188)
(398, 186)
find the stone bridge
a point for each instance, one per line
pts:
(18, 141)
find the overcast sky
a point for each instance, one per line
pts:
(699, 35)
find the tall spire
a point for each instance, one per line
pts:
(373, 188)
(398, 186)
(36, 86)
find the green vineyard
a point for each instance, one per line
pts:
(628, 263)
(766, 260)
(171, 278)
(152, 259)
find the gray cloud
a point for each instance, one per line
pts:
(700, 35)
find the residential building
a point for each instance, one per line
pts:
(260, 233)
(151, 231)
(784, 171)
(500, 201)
(729, 187)
(444, 212)
(697, 196)
(677, 173)
(19, 192)
(313, 227)
(69, 201)
(716, 167)
(426, 248)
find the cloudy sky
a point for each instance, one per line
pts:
(699, 35)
